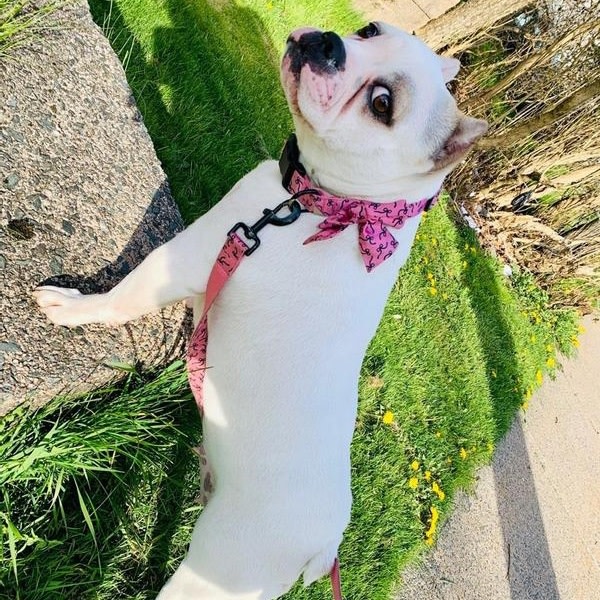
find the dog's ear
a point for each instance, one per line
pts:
(467, 131)
(450, 67)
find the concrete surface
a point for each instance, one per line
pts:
(406, 14)
(83, 199)
(531, 530)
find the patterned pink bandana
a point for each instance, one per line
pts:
(375, 241)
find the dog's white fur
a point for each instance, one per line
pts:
(289, 331)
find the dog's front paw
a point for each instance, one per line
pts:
(63, 306)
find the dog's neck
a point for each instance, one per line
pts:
(355, 180)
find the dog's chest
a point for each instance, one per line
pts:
(321, 288)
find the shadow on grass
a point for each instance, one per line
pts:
(207, 84)
(494, 333)
(518, 503)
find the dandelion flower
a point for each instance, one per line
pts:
(388, 417)
(539, 377)
(432, 291)
(575, 342)
(435, 515)
(437, 490)
(463, 453)
(413, 482)
(550, 363)
(549, 348)
(415, 465)
(427, 475)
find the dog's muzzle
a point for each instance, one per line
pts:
(322, 51)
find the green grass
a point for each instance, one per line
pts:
(98, 492)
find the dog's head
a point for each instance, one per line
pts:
(373, 108)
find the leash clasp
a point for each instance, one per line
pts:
(270, 217)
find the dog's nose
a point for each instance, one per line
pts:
(324, 51)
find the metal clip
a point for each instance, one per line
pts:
(269, 217)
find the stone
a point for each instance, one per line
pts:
(83, 200)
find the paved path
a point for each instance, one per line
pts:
(531, 530)
(406, 14)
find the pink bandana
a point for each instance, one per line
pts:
(375, 241)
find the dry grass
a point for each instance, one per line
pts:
(534, 187)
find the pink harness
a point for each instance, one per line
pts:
(376, 244)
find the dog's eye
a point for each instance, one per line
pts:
(381, 103)
(369, 31)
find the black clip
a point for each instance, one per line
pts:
(269, 217)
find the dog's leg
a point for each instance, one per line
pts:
(175, 271)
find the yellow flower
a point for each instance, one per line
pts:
(438, 434)
(432, 291)
(430, 276)
(550, 363)
(414, 465)
(413, 482)
(549, 348)
(388, 417)
(437, 490)
(539, 377)
(434, 241)
(427, 475)
(581, 329)
(445, 296)
(575, 342)
(463, 453)
(435, 515)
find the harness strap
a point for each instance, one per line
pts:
(336, 580)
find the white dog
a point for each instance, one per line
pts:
(374, 121)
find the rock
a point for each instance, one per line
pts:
(82, 200)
